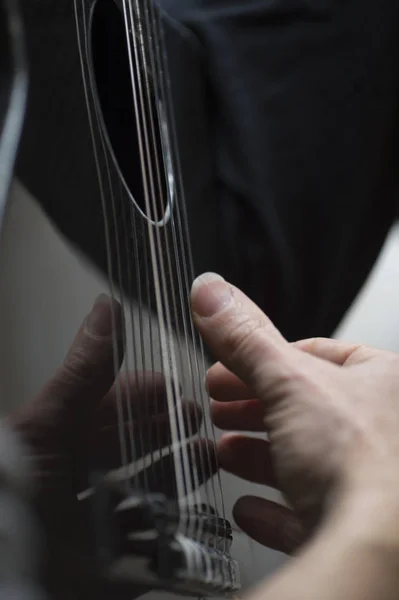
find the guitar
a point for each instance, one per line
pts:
(178, 537)
(159, 526)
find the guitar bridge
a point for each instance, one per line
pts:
(149, 542)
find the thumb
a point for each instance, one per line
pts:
(93, 359)
(242, 337)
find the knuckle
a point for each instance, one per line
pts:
(314, 344)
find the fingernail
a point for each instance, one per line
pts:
(210, 294)
(99, 320)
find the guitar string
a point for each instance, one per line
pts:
(138, 346)
(82, 30)
(161, 172)
(159, 190)
(140, 482)
(189, 276)
(188, 270)
(141, 478)
(167, 151)
(131, 354)
(140, 349)
(125, 394)
(125, 406)
(152, 367)
(167, 354)
(176, 254)
(120, 403)
(156, 189)
(113, 295)
(157, 37)
(111, 216)
(160, 51)
(121, 253)
(183, 298)
(123, 368)
(178, 320)
(111, 277)
(144, 117)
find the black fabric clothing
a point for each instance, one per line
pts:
(304, 108)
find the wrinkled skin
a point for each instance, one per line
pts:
(331, 411)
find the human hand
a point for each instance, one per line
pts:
(71, 426)
(331, 411)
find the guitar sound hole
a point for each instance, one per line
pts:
(141, 169)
